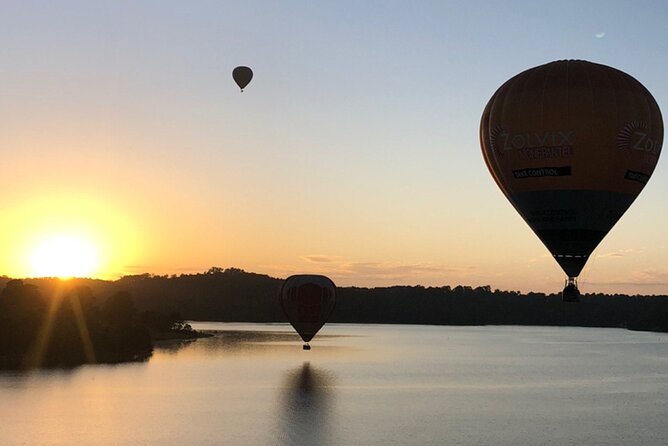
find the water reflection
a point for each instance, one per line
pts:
(246, 342)
(306, 407)
(64, 371)
(172, 347)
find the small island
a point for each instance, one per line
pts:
(71, 327)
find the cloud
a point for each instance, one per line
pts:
(319, 258)
(541, 258)
(134, 269)
(629, 283)
(620, 253)
(600, 35)
(191, 269)
(387, 269)
(374, 273)
(652, 275)
(643, 278)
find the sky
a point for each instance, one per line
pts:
(353, 153)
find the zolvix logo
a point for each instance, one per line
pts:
(549, 144)
(635, 136)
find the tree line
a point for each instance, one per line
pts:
(233, 295)
(69, 326)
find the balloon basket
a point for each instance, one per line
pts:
(571, 292)
(306, 347)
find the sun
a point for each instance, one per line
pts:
(64, 256)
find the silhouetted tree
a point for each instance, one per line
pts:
(67, 327)
(119, 309)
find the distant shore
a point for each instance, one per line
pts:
(125, 316)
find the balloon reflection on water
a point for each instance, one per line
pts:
(306, 405)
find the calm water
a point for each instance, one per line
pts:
(252, 384)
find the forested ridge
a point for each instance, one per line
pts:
(233, 295)
(68, 325)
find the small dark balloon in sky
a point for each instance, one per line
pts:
(242, 76)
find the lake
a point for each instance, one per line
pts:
(252, 384)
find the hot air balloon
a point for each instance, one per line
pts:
(242, 76)
(571, 144)
(307, 301)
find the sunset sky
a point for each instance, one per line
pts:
(354, 152)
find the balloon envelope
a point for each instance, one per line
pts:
(307, 301)
(571, 144)
(242, 76)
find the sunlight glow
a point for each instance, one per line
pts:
(67, 235)
(64, 256)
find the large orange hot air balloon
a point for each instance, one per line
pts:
(307, 301)
(571, 144)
